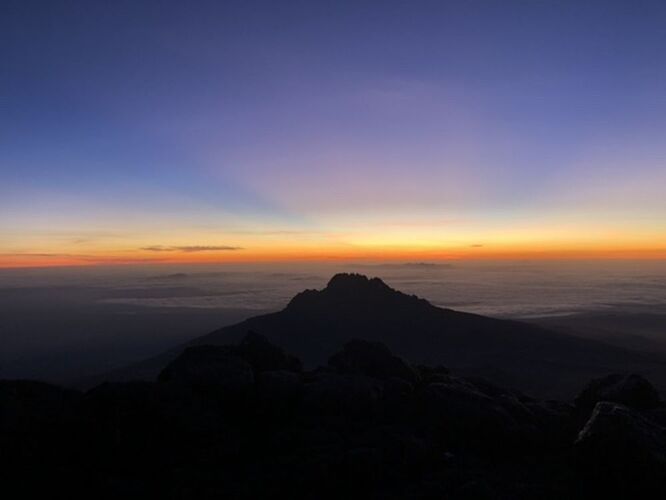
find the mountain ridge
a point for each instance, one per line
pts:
(352, 306)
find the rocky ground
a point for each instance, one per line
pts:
(246, 421)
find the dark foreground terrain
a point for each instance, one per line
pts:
(233, 415)
(246, 421)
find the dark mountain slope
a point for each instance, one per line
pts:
(527, 357)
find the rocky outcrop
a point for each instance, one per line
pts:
(210, 367)
(620, 452)
(373, 359)
(266, 356)
(232, 368)
(463, 414)
(630, 389)
(245, 421)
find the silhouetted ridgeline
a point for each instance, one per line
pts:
(246, 421)
(526, 357)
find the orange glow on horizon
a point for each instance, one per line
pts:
(333, 254)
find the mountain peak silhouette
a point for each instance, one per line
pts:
(347, 291)
(353, 282)
(353, 306)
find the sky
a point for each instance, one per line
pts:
(242, 131)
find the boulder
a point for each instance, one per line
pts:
(622, 454)
(490, 389)
(265, 356)
(555, 420)
(466, 415)
(627, 389)
(514, 403)
(372, 359)
(210, 367)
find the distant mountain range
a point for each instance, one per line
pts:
(519, 355)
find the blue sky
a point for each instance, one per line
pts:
(424, 125)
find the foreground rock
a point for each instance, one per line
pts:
(372, 359)
(245, 421)
(627, 389)
(265, 356)
(620, 452)
(465, 416)
(210, 367)
(230, 368)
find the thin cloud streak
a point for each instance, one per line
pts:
(81, 258)
(191, 248)
(32, 254)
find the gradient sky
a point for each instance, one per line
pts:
(135, 131)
